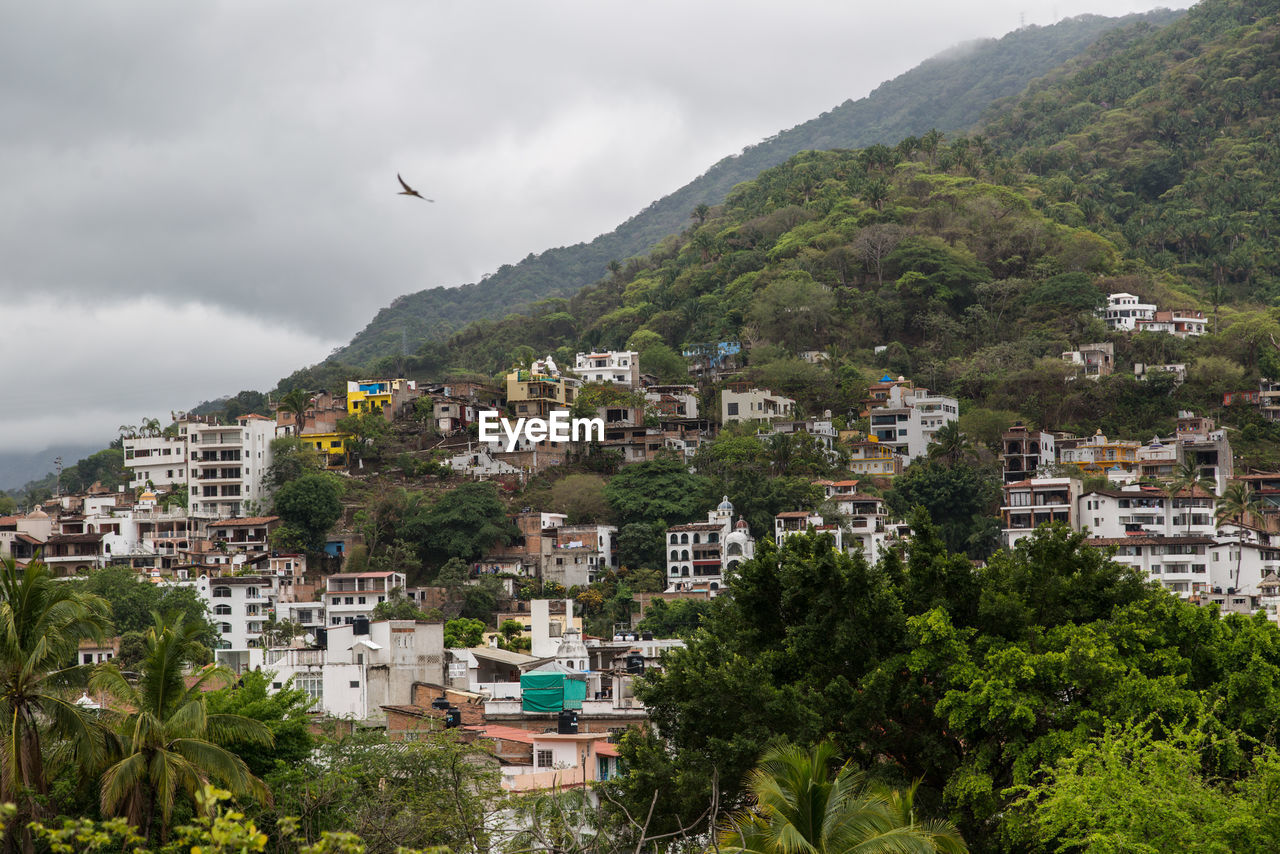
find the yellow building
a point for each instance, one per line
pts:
(332, 447)
(872, 458)
(539, 390)
(385, 396)
(1100, 456)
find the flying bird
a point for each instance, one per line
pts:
(409, 191)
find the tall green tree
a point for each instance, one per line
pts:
(42, 622)
(310, 505)
(167, 742)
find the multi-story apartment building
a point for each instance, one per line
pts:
(228, 466)
(619, 367)
(348, 596)
(909, 418)
(238, 605)
(701, 555)
(794, 522)
(862, 520)
(822, 431)
(1143, 510)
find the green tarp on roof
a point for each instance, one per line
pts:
(541, 691)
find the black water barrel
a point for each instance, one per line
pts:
(452, 718)
(567, 722)
(360, 626)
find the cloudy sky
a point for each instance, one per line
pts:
(199, 198)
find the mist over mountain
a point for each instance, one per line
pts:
(949, 92)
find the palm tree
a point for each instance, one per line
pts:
(298, 402)
(167, 740)
(799, 809)
(950, 444)
(1238, 501)
(1186, 477)
(42, 622)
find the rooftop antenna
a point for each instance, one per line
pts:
(1022, 20)
(57, 464)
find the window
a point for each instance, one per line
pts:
(222, 593)
(222, 609)
(542, 759)
(312, 683)
(354, 683)
(732, 408)
(224, 628)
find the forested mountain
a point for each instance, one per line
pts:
(1170, 146)
(978, 260)
(948, 92)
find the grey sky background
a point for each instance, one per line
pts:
(199, 198)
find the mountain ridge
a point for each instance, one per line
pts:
(949, 92)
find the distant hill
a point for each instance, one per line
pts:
(949, 92)
(18, 468)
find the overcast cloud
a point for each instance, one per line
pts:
(199, 198)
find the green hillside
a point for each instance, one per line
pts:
(978, 260)
(1171, 147)
(949, 92)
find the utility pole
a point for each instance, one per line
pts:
(57, 489)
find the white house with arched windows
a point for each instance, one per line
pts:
(702, 554)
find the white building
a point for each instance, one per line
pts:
(701, 555)
(355, 594)
(1125, 311)
(862, 521)
(228, 466)
(1177, 542)
(363, 667)
(238, 607)
(620, 367)
(158, 462)
(909, 418)
(754, 404)
(1141, 510)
